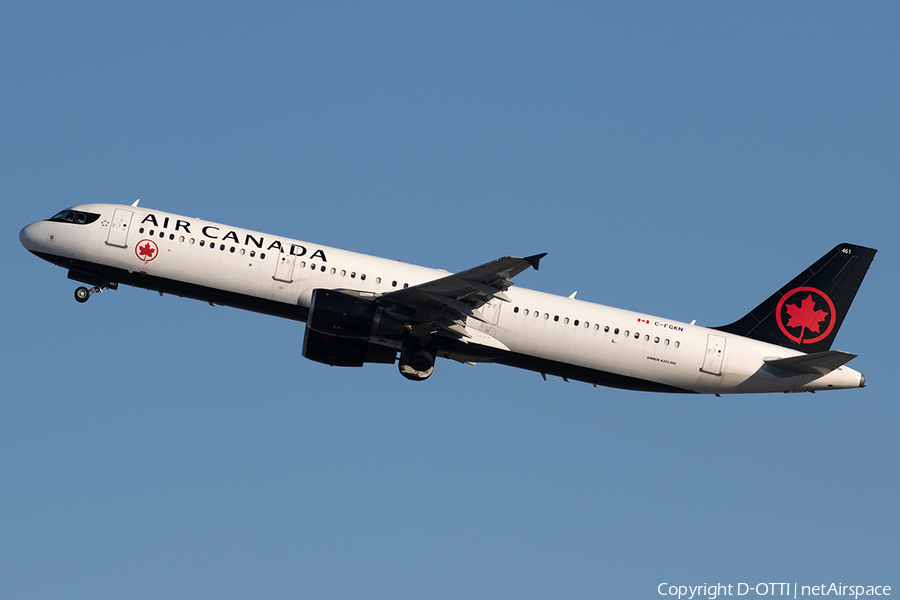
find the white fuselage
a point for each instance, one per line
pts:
(216, 262)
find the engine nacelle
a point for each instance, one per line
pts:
(344, 352)
(345, 316)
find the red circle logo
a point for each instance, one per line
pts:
(146, 250)
(805, 311)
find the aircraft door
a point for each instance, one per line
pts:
(118, 229)
(284, 268)
(715, 353)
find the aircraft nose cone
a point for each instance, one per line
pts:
(28, 236)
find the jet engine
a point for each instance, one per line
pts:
(340, 326)
(344, 352)
(343, 315)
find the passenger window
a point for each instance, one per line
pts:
(252, 253)
(353, 275)
(556, 318)
(222, 247)
(262, 255)
(333, 270)
(162, 234)
(405, 285)
(363, 276)
(537, 314)
(526, 312)
(656, 339)
(575, 323)
(232, 250)
(172, 237)
(202, 243)
(343, 273)
(616, 331)
(677, 344)
(637, 336)
(393, 284)
(378, 280)
(667, 342)
(322, 268)
(627, 333)
(516, 309)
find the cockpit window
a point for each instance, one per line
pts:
(74, 216)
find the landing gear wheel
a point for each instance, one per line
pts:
(83, 294)
(417, 362)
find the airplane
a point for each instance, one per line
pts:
(362, 309)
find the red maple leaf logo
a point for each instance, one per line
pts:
(146, 251)
(806, 316)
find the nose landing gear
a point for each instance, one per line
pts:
(97, 282)
(83, 294)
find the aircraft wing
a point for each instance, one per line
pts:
(446, 302)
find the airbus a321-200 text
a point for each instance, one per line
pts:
(362, 309)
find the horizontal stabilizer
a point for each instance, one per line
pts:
(818, 363)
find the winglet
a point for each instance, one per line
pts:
(535, 261)
(136, 202)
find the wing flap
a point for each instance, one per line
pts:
(487, 290)
(457, 305)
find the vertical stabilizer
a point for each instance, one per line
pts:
(806, 313)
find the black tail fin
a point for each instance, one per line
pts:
(807, 312)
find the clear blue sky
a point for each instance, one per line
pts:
(683, 159)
